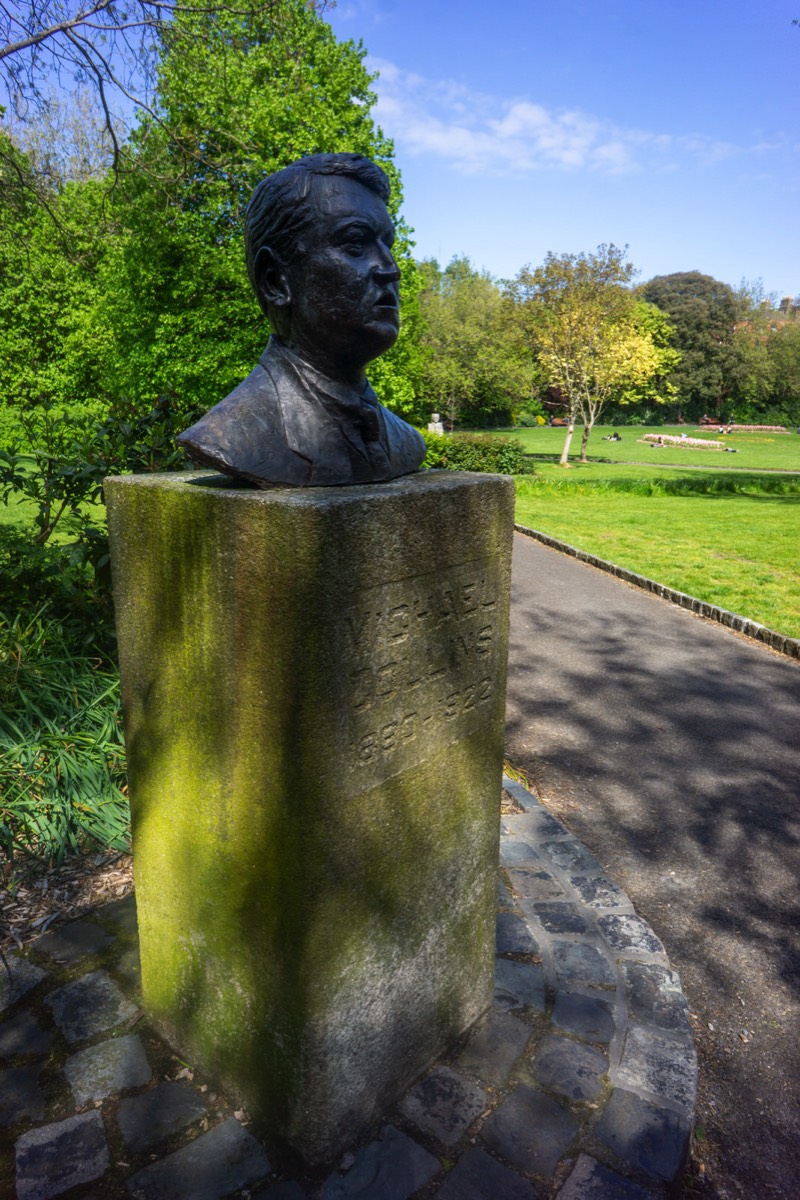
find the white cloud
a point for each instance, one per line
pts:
(475, 132)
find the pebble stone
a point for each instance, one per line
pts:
(89, 1005)
(652, 1062)
(23, 1035)
(518, 985)
(148, 1119)
(513, 935)
(530, 1130)
(494, 1046)
(591, 1181)
(584, 1015)
(571, 1070)
(555, 917)
(54, 1158)
(392, 1168)
(478, 1176)
(109, 1067)
(581, 962)
(214, 1165)
(72, 942)
(653, 1140)
(18, 979)
(288, 1190)
(443, 1105)
(21, 1098)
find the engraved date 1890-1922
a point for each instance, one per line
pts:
(383, 741)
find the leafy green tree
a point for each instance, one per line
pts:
(476, 360)
(768, 344)
(593, 341)
(241, 97)
(704, 314)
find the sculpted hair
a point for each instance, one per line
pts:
(280, 208)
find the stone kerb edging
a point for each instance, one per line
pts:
(776, 641)
(613, 988)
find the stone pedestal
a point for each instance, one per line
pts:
(313, 692)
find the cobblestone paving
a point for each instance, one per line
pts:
(579, 1083)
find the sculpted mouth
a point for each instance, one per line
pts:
(388, 299)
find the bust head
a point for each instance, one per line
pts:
(318, 240)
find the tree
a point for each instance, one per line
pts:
(704, 313)
(591, 339)
(476, 360)
(768, 345)
(239, 98)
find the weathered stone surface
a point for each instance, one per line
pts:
(392, 1168)
(518, 985)
(478, 1176)
(531, 1131)
(533, 826)
(72, 942)
(598, 891)
(580, 962)
(55, 1158)
(591, 1181)
(129, 967)
(212, 1166)
(21, 1097)
(555, 917)
(626, 931)
(655, 996)
(20, 978)
(494, 1046)
(649, 1138)
(570, 855)
(121, 914)
(109, 1067)
(665, 1066)
(280, 1191)
(570, 1069)
(89, 1005)
(513, 935)
(23, 1035)
(504, 897)
(583, 1015)
(148, 1119)
(333, 661)
(515, 853)
(443, 1105)
(534, 885)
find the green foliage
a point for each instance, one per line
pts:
(475, 359)
(476, 452)
(62, 767)
(594, 343)
(704, 313)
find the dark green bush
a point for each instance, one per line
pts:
(476, 452)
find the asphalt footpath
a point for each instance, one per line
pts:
(670, 746)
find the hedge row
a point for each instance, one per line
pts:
(476, 452)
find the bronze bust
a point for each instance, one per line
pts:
(318, 240)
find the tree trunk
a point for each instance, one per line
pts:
(563, 461)
(587, 429)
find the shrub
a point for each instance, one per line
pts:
(476, 452)
(62, 762)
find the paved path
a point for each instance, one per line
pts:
(579, 1083)
(671, 747)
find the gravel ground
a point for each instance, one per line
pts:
(670, 747)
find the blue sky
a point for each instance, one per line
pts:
(667, 125)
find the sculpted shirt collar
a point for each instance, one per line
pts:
(340, 399)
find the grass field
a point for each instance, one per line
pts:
(727, 531)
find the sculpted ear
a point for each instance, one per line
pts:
(271, 278)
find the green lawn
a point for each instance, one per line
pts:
(726, 535)
(754, 451)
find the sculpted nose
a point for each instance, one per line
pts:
(386, 269)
